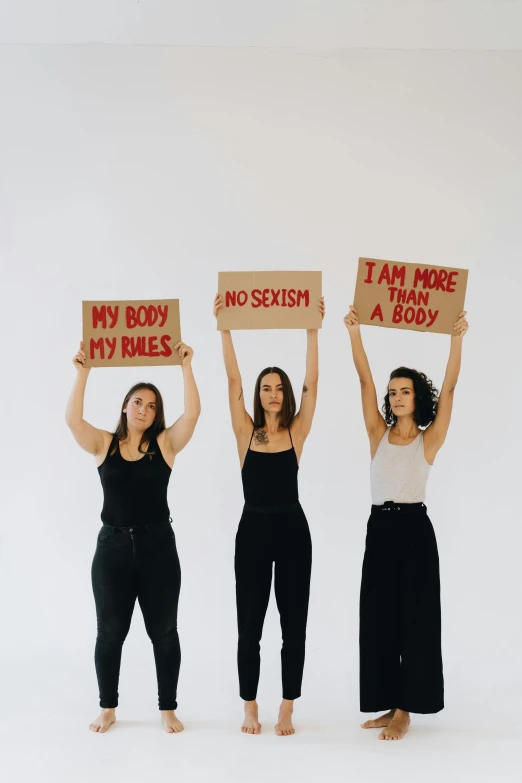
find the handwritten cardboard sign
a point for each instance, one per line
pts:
(270, 300)
(409, 296)
(131, 334)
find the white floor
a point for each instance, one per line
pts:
(47, 707)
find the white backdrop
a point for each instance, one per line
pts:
(140, 173)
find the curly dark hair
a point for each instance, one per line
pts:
(426, 398)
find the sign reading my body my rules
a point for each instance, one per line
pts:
(131, 333)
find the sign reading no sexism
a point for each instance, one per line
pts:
(129, 333)
(409, 296)
(269, 300)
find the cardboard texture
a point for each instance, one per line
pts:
(409, 296)
(269, 300)
(131, 333)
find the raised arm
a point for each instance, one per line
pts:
(435, 435)
(178, 435)
(91, 439)
(242, 423)
(302, 423)
(375, 423)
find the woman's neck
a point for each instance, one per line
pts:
(406, 428)
(133, 437)
(272, 423)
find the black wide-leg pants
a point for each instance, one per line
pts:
(400, 622)
(276, 538)
(142, 563)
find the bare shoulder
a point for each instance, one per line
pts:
(106, 442)
(162, 440)
(431, 445)
(244, 435)
(297, 433)
(376, 436)
(166, 449)
(298, 440)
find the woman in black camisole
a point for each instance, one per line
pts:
(273, 528)
(136, 554)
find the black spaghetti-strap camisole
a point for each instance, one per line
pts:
(134, 493)
(270, 479)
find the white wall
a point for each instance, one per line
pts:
(140, 173)
(303, 24)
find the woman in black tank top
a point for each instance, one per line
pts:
(273, 528)
(136, 554)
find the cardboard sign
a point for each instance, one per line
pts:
(409, 296)
(131, 334)
(270, 300)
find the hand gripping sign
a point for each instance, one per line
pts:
(269, 300)
(131, 334)
(409, 296)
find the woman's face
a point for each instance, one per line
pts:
(271, 393)
(141, 409)
(402, 396)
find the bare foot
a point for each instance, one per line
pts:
(251, 724)
(170, 723)
(284, 726)
(398, 726)
(380, 722)
(104, 720)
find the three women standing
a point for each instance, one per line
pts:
(400, 626)
(136, 554)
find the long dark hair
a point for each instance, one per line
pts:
(157, 426)
(287, 414)
(426, 398)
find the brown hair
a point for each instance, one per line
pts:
(157, 426)
(287, 414)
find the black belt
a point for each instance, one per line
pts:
(139, 527)
(390, 505)
(272, 509)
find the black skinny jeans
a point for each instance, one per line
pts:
(142, 563)
(263, 539)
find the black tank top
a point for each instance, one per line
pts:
(134, 493)
(270, 479)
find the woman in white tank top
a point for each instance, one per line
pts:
(400, 639)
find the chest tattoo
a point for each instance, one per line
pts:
(261, 437)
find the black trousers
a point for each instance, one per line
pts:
(275, 536)
(400, 625)
(142, 563)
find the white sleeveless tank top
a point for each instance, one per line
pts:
(399, 473)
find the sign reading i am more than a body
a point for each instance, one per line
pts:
(131, 333)
(269, 300)
(409, 296)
